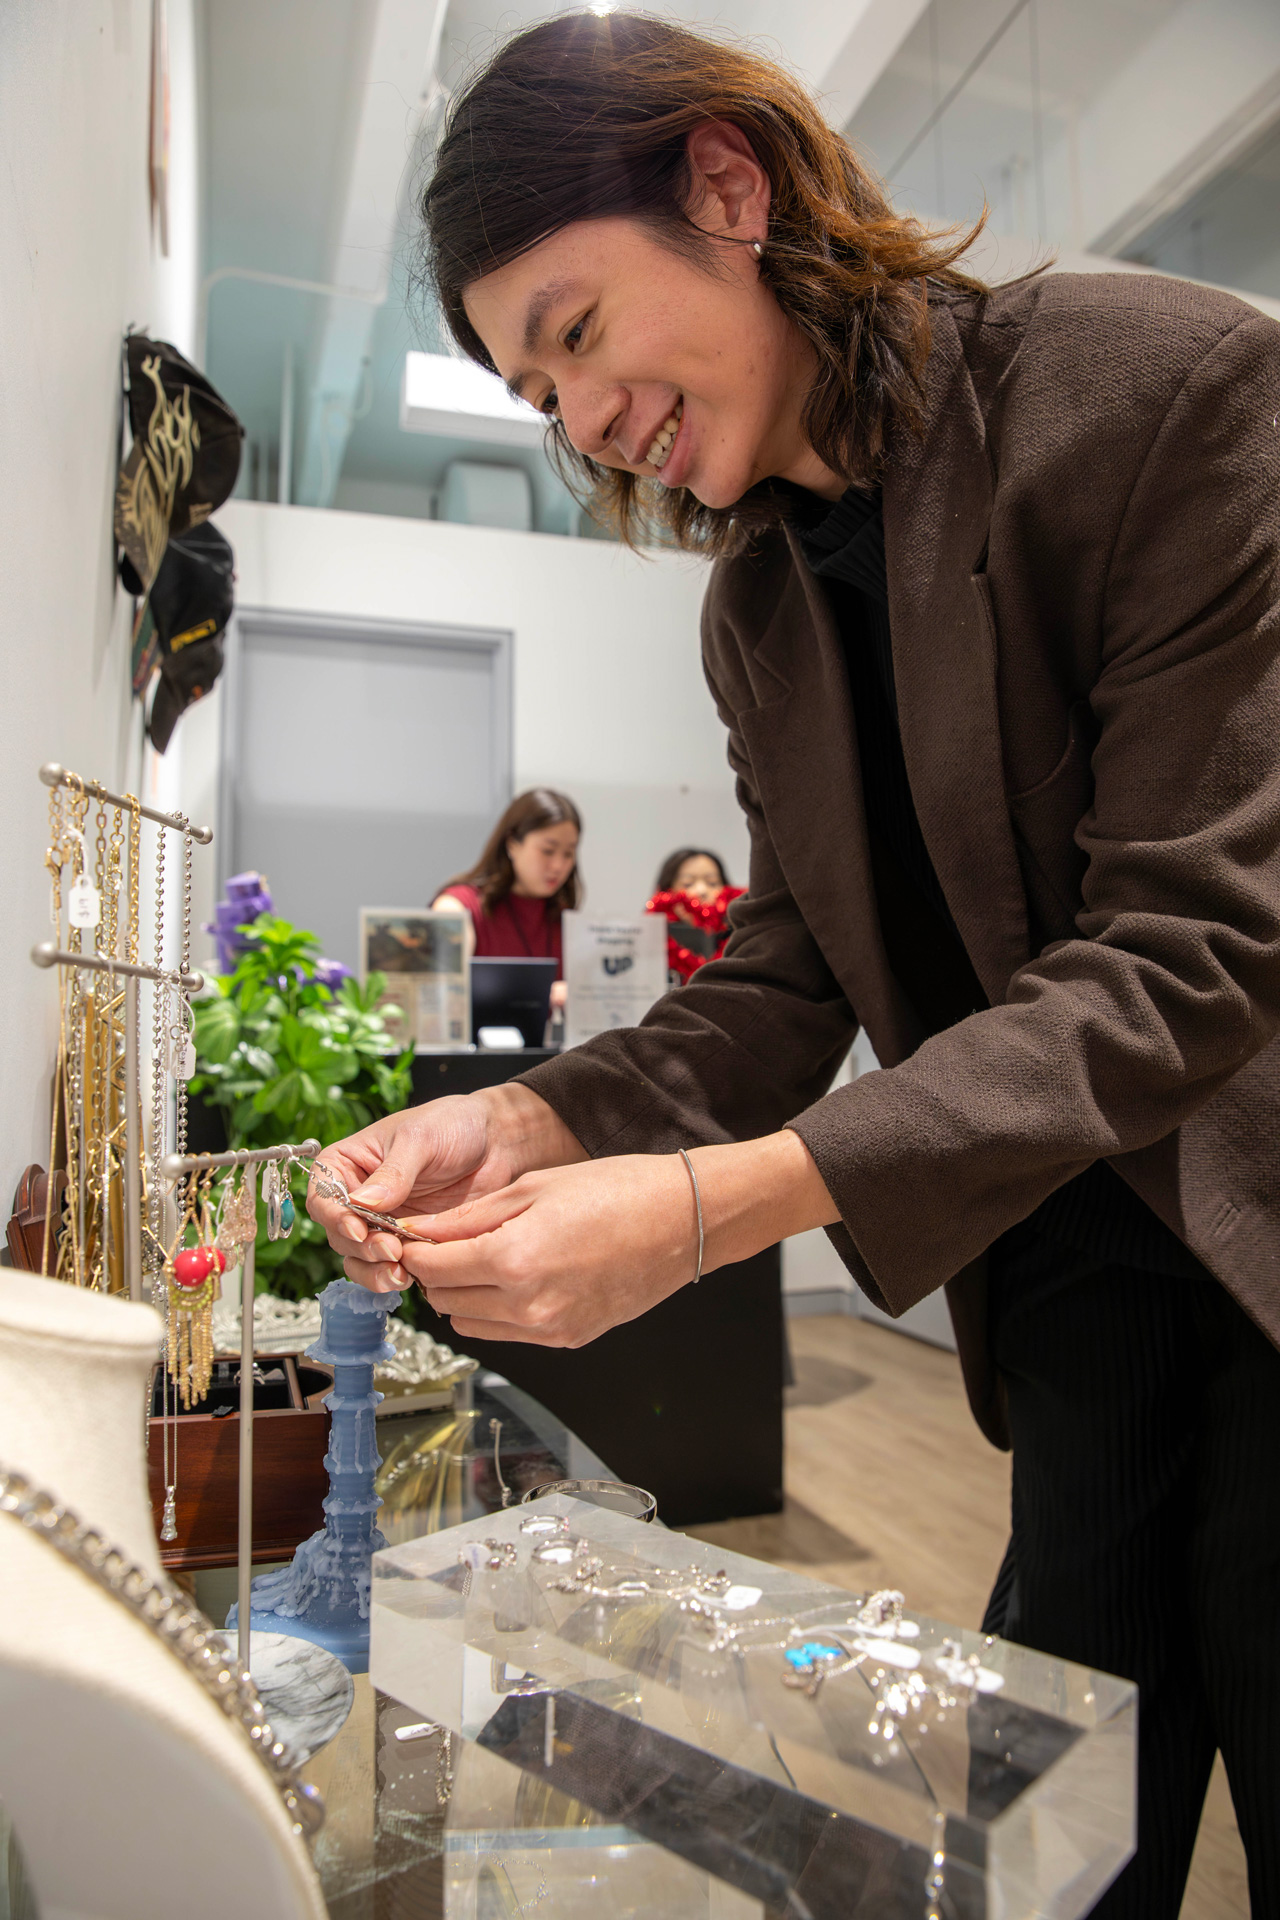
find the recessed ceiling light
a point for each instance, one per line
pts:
(443, 395)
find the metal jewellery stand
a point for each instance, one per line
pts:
(173, 1167)
(55, 776)
(48, 954)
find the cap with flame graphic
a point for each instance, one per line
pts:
(184, 459)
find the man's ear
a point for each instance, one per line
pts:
(730, 189)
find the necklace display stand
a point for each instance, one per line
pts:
(120, 922)
(323, 1595)
(130, 1791)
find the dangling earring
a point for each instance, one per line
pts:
(271, 1194)
(246, 1213)
(288, 1212)
(191, 1272)
(224, 1223)
(281, 1212)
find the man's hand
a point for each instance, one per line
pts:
(565, 1253)
(429, 1159)
(562, 1255)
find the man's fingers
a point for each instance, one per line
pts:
(485, 1214)
(501, 1330)
(487, 1306)
(389, 1185)
(461, 1263)
(351, 1236)
(346, 1231)
(385, 1277)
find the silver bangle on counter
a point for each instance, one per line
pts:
(697, 1201)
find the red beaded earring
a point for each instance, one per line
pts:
(192, 1273)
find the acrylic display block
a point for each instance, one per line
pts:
(513, 1845)
(811, 1750)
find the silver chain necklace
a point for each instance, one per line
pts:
(192, 1640)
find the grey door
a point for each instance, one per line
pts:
(363, 762)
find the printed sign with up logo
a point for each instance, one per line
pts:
(614, 970)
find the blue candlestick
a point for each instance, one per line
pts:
(323, 1595)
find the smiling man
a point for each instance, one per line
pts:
(994, 630)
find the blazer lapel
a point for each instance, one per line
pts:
(804, 755)
(937, 512)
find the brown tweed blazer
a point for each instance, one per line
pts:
(1083, 555)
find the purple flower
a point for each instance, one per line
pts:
(331, 974)
(247, 897)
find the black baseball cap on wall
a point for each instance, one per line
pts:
(184, 459)
(191, 601)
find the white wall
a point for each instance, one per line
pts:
(609, 699)
(1200, 88)
(77, 265)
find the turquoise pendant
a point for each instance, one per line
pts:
(288, 1213)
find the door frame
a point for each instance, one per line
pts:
(498, 643)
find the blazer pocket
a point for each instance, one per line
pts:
(1045, 819)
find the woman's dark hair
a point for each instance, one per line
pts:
(587, 117)
(674, 861)
(493, 873)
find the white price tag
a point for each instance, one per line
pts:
(84, 908)
(182, 1057)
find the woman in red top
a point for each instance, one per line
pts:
(694, 893)
(523, 881)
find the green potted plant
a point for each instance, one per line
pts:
(288, 1052)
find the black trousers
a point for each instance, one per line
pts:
(1145, 1412)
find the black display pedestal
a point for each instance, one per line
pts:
(686, 1401)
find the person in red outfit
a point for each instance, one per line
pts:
(523, 881)
(693, 892)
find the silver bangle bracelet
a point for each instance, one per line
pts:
(697, 1201)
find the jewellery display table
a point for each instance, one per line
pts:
(779, 1745)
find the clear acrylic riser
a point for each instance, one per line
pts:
(674, 1695)
(514, 1846)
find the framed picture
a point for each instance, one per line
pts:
(423, 955)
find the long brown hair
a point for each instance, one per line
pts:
(493, 873)
(587, 117)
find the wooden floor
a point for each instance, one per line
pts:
(889, 1483)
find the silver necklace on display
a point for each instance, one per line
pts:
(192, 1640)
(155, 1254)
(173, 1052)
(872, 1640)
(869, 1643)
(329, 1185)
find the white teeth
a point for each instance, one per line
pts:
(664, 439)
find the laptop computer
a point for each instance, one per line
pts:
(512, 993)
